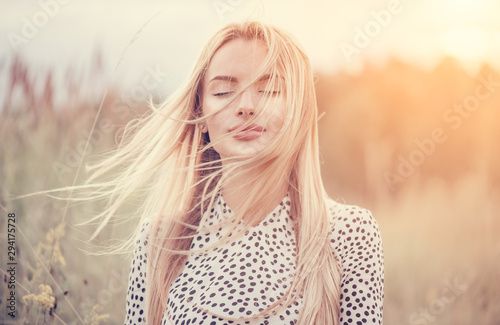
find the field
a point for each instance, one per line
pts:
(430, 176)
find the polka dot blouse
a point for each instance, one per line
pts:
(243, 277)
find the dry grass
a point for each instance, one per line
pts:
(436, 236)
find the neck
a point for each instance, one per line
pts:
(236, 189)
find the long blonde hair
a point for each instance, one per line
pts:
(167, 158)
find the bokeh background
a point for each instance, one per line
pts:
(410, 92)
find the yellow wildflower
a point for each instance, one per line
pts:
(44, 298)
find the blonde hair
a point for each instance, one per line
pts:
(167, 158)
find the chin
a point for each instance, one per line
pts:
(240, 151)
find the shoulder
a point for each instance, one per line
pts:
(136, 294)
(357, 243)
(352, 228)
(142, 237)
(140, 257)
(346, 219)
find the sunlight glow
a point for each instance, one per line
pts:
(467, 44)
(467, 6)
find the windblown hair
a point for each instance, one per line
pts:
(167, 157)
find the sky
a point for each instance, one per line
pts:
(336, 34)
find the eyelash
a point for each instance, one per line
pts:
(275, 92)
(223, 94)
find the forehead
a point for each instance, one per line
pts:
(238, 58)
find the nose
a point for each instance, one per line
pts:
(246, 103)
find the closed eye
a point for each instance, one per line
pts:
(226, 93)
(273, 92)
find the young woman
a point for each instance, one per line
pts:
(235, 225)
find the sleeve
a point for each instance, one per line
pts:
(356, 238)
(136, 293)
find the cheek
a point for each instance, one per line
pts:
(277, 120)
(216, 124)
(213, 120)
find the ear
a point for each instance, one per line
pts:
(203, 127)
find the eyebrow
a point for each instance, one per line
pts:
(234, 79)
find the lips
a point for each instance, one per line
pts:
(251, 127)
(251, 132)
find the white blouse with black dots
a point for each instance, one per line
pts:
(241, 278)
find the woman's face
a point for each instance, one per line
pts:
(232, 67)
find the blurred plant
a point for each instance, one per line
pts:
(44, 298)
(48, 252)
(94, 318)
